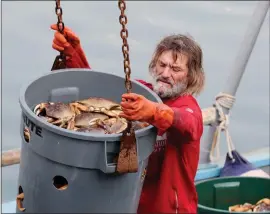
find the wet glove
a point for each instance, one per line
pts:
(69, 44)
(137, 107)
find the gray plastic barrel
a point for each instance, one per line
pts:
(80, 163)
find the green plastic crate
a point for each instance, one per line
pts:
(216, 195)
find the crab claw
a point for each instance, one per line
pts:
(26, 134)
(40, 107)
(37, 109)
(19, 200)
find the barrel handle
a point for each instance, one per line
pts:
(107, 168)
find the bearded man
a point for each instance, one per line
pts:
(177, 76)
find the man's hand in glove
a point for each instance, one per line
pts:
(137, 107)
(69, 44)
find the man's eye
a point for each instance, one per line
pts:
(162, 65)
(176, 69)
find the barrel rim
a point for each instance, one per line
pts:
(73, 134)
(229, 177)
(220, 210)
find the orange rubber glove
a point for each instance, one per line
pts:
(137, 107)
(69, 44)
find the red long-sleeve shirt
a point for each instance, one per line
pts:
(169, 183)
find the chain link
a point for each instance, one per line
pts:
(59, 12)
(125, 47)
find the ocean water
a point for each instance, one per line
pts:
(218, 26)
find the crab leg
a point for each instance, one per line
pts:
(116, 112)
(49, 119)
(62, 125)
(71, 124)
(74, 108)
(59, 121)
(81, 107)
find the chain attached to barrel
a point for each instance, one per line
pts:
(60, 60)
(127, 159)
(125, 47)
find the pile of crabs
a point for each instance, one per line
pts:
(262, 205)
(94, 114)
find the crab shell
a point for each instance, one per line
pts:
(98, 102)
(55, 110)
(88, 119)
(98, 105)
(114, 125)
(262, 208)
(262, 205)
(95, 130)
(264, 200)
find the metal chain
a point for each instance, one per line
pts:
(59, 12)
(128, 158)
(125, 47)
(60, 60)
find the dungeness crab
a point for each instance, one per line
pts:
(93, 114)
(114, 125)
(88, 119)
(98, 105)
(262, 205)
(57, 113)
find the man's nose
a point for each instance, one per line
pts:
(166, 72)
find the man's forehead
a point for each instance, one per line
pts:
(167, 57)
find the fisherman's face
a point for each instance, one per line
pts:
(169, 77)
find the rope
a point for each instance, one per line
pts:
(226, 101)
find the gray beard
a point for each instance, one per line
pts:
(166, 92)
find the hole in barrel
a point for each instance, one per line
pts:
(113, 149)
(60, 182)
(19, 199)
(26, 134)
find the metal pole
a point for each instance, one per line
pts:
(239, 67)
(246, 47)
